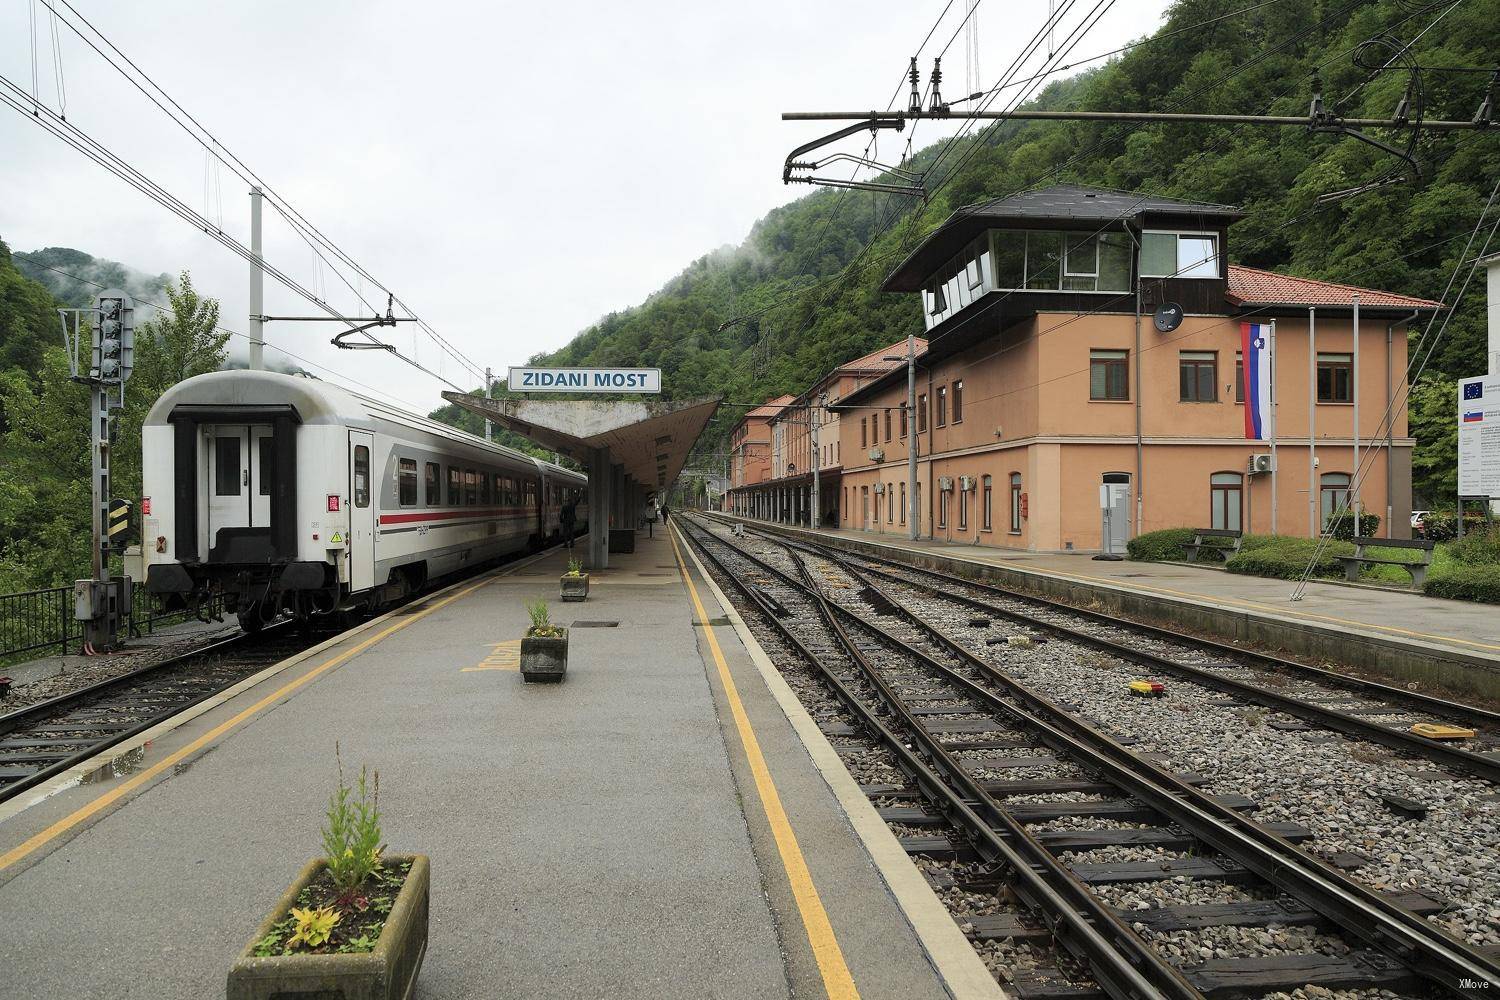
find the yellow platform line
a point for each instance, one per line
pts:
(73, 819)
(837, 980)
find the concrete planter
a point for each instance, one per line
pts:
(387, 973)
(543, 658)
(574, 588)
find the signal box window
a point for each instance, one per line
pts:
(407, 480)
(1179, 255)
(1335, 378)
(864, 433)
(455, 487)
(942, 406)
(434, 484)
(958, 401)
(227, 466)
(361, 476)
(903, 421)
(922, 413)
(887, 426)
(1198, 376)
(1109, 375)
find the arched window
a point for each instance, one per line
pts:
(1333, 493)
(1015, 503)
(1225, 491)
(989, 503)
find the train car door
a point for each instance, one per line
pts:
(262, 474)
(228, 479)
(361, 512)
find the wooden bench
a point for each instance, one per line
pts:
(1200, 534)
(1418, 570)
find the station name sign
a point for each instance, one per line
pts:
(584, 380)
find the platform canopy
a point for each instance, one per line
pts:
(651, 439)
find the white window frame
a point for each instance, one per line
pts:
(1179, 233)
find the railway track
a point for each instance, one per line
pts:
(1354, 706)
(1055, 813)
(45, 739)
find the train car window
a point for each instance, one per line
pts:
(227, 466)
(406, 479)
(267, 464)
(455, 486)
(471, 488)
(484, 488)
(434, 484)
(361, 476)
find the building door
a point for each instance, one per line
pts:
(1114, 501)
(228, 479)
(864, 513)
(361, 512)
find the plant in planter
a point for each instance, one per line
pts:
(544, 647)
(574, 584)
(353, 925)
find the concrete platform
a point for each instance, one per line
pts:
(659, 825)
(1402, 634)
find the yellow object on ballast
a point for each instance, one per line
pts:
(1148, 689)
(1436, 731)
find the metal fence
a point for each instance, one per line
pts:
(38, 622)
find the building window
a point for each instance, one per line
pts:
(1225, 496)
(1239, 376)
(1109, 375)
(890, 508)
(922, 413)
(903, 503)
(1179, 255)
(963, 509)
(943, 497)
(407, 481)
(434, 484)
(903, 421)
(1015, 503)
(987, 510)
(1333, 494)
(958, 401)
(1335, 378)
(888, 425)
(942, 406)
(1198, 376)
(864, 433)
(846, 503)
(361, 476)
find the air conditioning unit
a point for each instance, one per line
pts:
(879, 488)
(1259, 464)
(945, 484)
(877, 454)
(966, 483)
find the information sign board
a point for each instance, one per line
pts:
(584, 380)
(1479, 436)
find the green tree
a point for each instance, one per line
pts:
(1433, 420)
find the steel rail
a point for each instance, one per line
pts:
(1077, 919)
(1393, 930)
(1480, 766)
(12, 722)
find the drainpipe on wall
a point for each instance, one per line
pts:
(1140, 462)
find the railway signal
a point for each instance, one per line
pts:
(100, 601)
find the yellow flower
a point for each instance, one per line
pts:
(313, 926)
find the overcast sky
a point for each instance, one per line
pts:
(512, 171)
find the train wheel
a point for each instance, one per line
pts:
(250, 619)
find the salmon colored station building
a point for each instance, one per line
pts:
(1082, 381)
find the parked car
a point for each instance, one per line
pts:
(1417, 519)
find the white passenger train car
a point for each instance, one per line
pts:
(285, 493)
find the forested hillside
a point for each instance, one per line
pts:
(766, 317)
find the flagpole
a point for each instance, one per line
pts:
(1271, 358)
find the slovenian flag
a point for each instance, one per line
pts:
(1255, 348)
(1473, 417)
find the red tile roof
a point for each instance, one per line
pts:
(1252, 286)
(770, 408)
(875, 360)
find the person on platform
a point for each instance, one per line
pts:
(569, 517)
(664, 512)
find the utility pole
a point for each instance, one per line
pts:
(98, 601)
(489, 380)
(914, 508)
(257, 287)
(812, 424)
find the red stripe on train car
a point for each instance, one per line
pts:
(443, 515)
